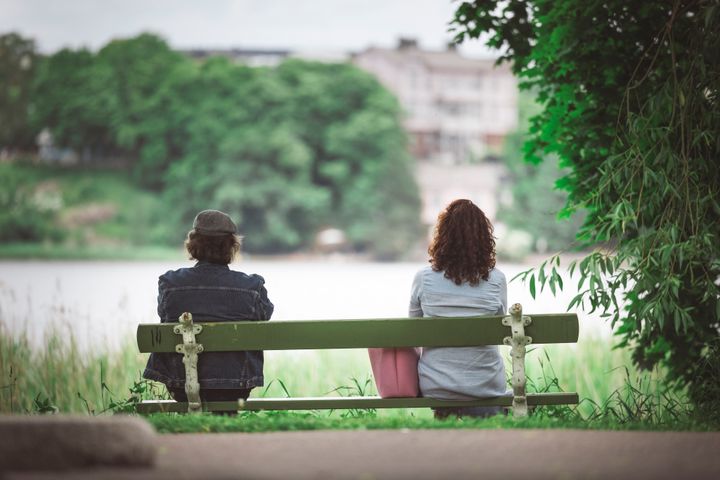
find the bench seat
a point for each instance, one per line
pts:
(190, 339)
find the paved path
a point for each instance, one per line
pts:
(430, 454)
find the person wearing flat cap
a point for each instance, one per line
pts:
(211, 292)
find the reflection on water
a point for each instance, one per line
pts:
(102, 302)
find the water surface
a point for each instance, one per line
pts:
(101, 303)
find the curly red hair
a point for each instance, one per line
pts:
(463, 245)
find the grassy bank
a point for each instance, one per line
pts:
(66, 213)
(61, 377)
(50, 251)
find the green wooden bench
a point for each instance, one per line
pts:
(190, 339)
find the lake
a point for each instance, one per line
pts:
(101, 303)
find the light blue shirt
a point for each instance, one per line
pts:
(459, 373)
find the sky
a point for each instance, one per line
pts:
(298, 25)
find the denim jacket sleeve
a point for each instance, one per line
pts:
(263, 306)
(160, 300)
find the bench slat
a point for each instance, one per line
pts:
(331, 403)
(327, 334)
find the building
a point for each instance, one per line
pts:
(458, 109)
(253, 57)
(259, 57)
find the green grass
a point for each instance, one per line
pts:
(295, 421)
(61, 376)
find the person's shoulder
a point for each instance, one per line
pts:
(424, 272)
(252, 280)
(497, 275)
(426, 269)
(172, 276)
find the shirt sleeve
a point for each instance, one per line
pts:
(415, 309)
(503, 296)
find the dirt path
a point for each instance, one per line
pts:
(431, 454)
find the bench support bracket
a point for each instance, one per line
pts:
(517, 341)
(190, 350)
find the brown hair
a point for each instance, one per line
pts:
(463, 245)
(212, 248)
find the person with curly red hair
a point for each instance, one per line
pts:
(461, 280)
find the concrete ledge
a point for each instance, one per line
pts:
(61, 442)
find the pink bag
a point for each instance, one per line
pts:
(395, 371)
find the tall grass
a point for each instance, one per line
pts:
(60, 375)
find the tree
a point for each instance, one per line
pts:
(286, 150)
(535, 202)
(351, 125)
(242, 156)
(135, 71)
(17, 65)
(290, 150)
(118, 102)
(72, 100)
(24, 216)
(631, 104)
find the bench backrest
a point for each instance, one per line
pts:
(389, 332)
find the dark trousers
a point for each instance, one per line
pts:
(212, 395)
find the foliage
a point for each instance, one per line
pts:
(72, 101)
(535, 202)
(287, 151)
(290, 150)
(62, 376)
(135, 69)
(102, 211)
(24, 213)
(351, 125)
(18, 58)
(107, 105)
(630, 98)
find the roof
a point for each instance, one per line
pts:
(436, 60)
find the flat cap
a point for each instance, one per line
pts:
(214, 223)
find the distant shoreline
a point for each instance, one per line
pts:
(52, 252)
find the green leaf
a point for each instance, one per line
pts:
(532, 286)
(577, 299)
(677, 320)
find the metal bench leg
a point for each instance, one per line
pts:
(517, 323)
(190, 350)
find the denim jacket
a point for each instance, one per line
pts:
(211, 292)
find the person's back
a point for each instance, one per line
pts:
(461, 281)
(459, 373)
(211, 292)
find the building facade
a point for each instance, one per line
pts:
(458, 109)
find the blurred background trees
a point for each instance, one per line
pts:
(18, 60)
(287, 151)
(533, 202)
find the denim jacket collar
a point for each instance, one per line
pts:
(204, 264)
